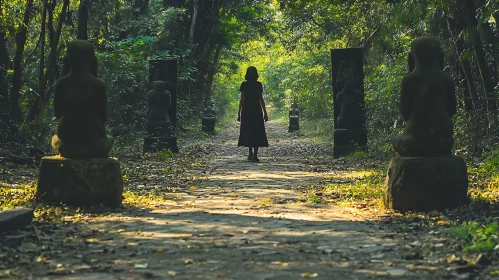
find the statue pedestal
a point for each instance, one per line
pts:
(208, 125)
(294, 124)
(157, 144)
(347, 141)
(423, 184)
(79, 182)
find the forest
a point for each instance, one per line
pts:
(214, 43)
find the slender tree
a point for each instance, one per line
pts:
(17, 77)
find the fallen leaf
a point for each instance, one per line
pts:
(141, 265)
(192, 187)
(159, 250)
(172, 273)
(280, 263)
(187, 261)
(309, 275)
(92, 240)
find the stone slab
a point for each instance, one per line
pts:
(157, 144)
(208, 125)
(80, 182)
(350, 137)
(424, 184)
(15, 218)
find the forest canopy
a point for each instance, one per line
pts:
(289, 41)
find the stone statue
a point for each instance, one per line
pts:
(349, 97)
(427, 101)
(294, 117)
(426, 175)
(80, 107)
(209, 118)
(158, 121)
(160, 132)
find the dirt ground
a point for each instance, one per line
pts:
(233, 219)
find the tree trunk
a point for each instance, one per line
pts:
(193, 22)
(211, 72)
(83, 21)
(4, 63)
(17, 77)
(491, 46)
(54, 36)
(483, 68)
(468, 102)
(36, 110)
(458, 44)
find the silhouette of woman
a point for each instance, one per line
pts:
(251, 105)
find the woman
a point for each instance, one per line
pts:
(251, 105)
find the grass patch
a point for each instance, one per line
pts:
(163, 155)
(17, 195)
(348, 187)
(146, 198)
(476, 237)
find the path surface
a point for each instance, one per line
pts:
(236, 220)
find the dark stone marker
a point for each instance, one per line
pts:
(167, 71)
(350, 134)
(15, 219)
(160, 132)
(294, 117)
(426, 175)
(209, 118)
(81, 173)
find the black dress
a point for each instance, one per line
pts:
(252, 133)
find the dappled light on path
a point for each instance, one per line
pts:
(234, 219)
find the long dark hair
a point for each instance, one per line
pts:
(251, 74)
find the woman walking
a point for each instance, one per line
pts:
(252, 114)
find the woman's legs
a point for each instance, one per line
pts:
(250, 155)
(255, 155)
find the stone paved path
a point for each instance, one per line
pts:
(238, 220)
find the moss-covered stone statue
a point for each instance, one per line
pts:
(209, 117)
(350, 134)
(160, 132)
(294, 117)
(350, 99)
(427, 103)
(81, 173)
(426, 176)
(80, 107)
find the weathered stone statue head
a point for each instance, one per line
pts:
(158, 121)
(80, 106)
(427, 102)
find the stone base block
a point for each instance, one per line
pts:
(424, 184)
(80, 182)
(208, 125)
(157, 144)
(340, 151)
(15, 218)
(350, 137)
(293, 128)
(348, 141)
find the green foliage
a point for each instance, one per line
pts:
(491, 161)
(477, 237)
(164, 155)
